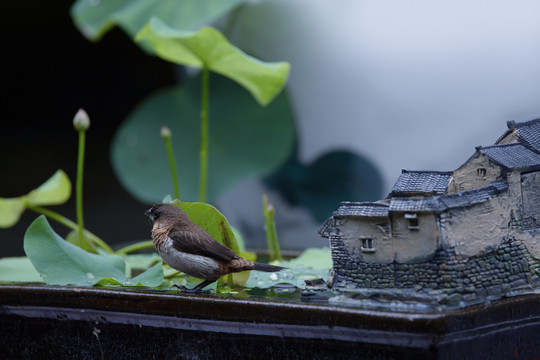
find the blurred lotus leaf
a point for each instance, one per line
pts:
(209, 48)
(56, 190)
(18, 269)
(312, 263)
(245, 140)
(334, 177)
(94, 18)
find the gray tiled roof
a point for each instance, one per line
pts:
(366, 209)
(421, 182)
(414, 205)
(448, 201)
(529, 133)
(519, 155)
(435, 204)
(512, 156)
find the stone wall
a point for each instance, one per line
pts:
(472, 230)
(508, 267)
(390, 240)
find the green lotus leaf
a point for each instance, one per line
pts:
(62, 263)
(56, 190)
(94, 18)
(11, 210)
(245, 140)
(209, 48)
(108, 282)
(312, 263)
(152, 277)
(85, 243)
(18, 269)
(142, 261)
(215, 223)
(211, 220)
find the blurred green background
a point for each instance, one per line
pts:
(374, 87)
(52, 70)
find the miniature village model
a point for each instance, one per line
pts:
(453, 237)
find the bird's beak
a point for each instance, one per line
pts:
(149, 214)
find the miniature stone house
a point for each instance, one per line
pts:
(472, 233)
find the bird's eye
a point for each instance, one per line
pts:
(156, 213)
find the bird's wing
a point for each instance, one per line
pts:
(200, 243)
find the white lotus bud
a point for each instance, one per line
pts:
(81, 121)
(165, 132)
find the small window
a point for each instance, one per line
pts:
(413, 221)
(481, 173)
(367, 245)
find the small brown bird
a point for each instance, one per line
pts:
(187, 247)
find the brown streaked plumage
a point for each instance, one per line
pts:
(187, 247)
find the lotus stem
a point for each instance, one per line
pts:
(204, 133)
(135, 247)
(274, 250)
(81, 123)
(166, 134)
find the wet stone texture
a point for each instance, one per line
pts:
(509, 267)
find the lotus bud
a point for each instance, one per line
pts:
(165, 132)
(81, 121)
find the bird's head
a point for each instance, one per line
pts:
(165, 212)
(151, 215)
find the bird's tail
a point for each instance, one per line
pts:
(265, 267)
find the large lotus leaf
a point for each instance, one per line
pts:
(245, 140)
(94, 18)
(62, 263)
(208, 47)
